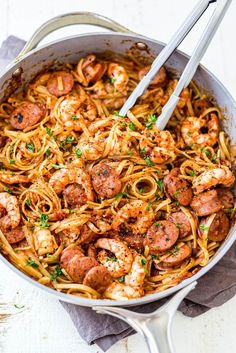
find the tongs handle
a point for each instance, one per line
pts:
(163, 56)
(191, 67)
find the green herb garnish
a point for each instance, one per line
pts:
(57, 273)
(121, 194)
(121, 279)
(179, 225)
(28, 201)
(203, 227)
(149, 206)
(44, 221)
(151, 120)
(18, 306)
(78, 152)
(149, 162)
(192, 173)
(112, 259)
(48, 152)
(160, 185)
(12, 161)
(8, 190)
(32, 263)
(30, 147)
(131, 126)
(143, 262)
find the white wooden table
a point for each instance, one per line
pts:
(44, 326)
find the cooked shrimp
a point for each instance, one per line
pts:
(92, 70)
(91, 148)
(7, 177)
(136, 215)
(211, 178)
(120, 77)
(137, 273)
(157, 145)
(120, 291)
(121, 263)
(44, 241)
(202, 131)
(12, 219)
(80, 192)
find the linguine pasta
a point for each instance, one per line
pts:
(99, 205)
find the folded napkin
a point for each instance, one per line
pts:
(213, 289)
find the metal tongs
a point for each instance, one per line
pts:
(156, 327)
(191, 67)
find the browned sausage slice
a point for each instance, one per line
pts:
(15, 235)
(75, 195)
(26, 115)
(86, 235)
(219, 227)
(159, 78)
(98, 278)
(161, 236)
(177, 188)
(178, 255)
(206, 203)
(226, 197)
(105, 180)
(182, 222)
(76, 264)
(92, 70)
(60, 83)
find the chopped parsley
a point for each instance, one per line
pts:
(121, 194)
(176, 194)
(207, 153)
(30, 147)
(48, 152)
(70, 139)
(78, 152)
(143, 151)
(12, 161)
(44, 221)
(58, 166)
(32, 263)
(117, 114)
(155, 257)
(192, 173)
(158, 225)
(149, 162)
(143, 262)
(179, 225)
(130, 153)
(49, 132)
(229, 211)
(141, 190)
(131, 126)
(112, 80)
(214, 158)
(203, 227)
(174, 251)
(112, 259)
(57, 273)
(8, 190)
(28, 201)
(74, 117)
(121, 279)
(149, 206)
(18, 306)
(160, 185)
(151, 120)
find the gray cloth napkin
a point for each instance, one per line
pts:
(213, 289)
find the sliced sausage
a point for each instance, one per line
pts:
(75, 195)
(98, 278)
(182, 222)
(161, 236)
(219, 227)
(92, 251)
(226, 197)
(105, 180)
(26, 115)
(60, 83)
(159, 78)
(15, 235)
(178, 255)
(177, 188)
(206, 203)
(76, 264)
(86, 235)
(68, 254)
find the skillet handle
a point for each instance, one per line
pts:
(73, 18)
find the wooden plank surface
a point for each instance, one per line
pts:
(42, 326)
